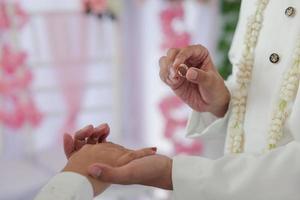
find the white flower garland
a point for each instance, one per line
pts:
(287, 95)
(288, 91)
(239, 97)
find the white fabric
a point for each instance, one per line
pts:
(67, 186)
(273, 176)
(253, 175)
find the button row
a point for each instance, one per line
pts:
(289, 12)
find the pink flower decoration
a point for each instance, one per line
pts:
(11, 61)
(20, 114)
(22, 82)
(33, 116)
(14, 117)
(4, 20)
(96, 6)
(167, 106)
(173, 39)
(20, 14)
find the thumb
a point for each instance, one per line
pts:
(106, 173)
(199, 76)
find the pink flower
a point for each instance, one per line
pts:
(20, 113)
(11, 61)
(33, 116)
(5, 20)
(172, 38)
(167, 107)
(96, 6)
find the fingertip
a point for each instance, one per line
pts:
(67, 138)
(88, 127)
(192, 74)
(154, 149)
(68, 144)
(95, 171)
(103, 126)
(176, 62)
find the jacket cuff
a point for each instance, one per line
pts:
(67, 185)
(188, 177)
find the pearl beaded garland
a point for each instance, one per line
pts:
(287, 93)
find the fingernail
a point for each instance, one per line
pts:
(193, 74)
(95, 171)
(102, 126)
(154, 149)
(172, 73)
(87, 127)
(175, 63)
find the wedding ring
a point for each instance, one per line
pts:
(182, 70)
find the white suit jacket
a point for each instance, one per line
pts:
(252, 175)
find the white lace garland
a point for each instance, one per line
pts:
(288, 89)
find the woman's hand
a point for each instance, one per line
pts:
(153, 171)
(111, 154)
(202, 88)
(86, 135)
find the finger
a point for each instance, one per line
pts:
(164, 68)
(78, 144)
(167, 72)
(105, 133)
(116, 175)
(68, 145)
(171, 54)
(182, 57)
(199, 76)
(132, 155)
(85, 132)
(193, 51)
(99, 134)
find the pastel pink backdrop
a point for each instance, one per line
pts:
(70, 61)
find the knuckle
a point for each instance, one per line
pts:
(200, 49)
(171, 51)
(162, 61)
(199, 46)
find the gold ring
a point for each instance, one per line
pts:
(182, 70)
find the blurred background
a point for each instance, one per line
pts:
(68, 63)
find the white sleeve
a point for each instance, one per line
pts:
(274, 175)
(199, 122)
(67, 186)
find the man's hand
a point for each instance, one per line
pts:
(153, 171)
(203, 88)
(111, 154)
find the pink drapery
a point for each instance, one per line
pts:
(67, 36)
